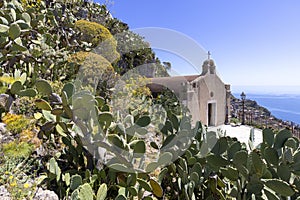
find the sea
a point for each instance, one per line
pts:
(282, 101)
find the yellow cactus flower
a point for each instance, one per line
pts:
(26, 185)
(13, 184)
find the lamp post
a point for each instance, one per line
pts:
(243, 97)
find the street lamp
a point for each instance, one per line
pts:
(243, 97)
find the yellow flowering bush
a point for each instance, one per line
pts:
(137, 86)
(102, 40)
(16, 123)
(93, 69)
(7, 79)
(23, 145)
(31, 3)
(131, 94)
(93, 32)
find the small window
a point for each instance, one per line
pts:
(194, 85)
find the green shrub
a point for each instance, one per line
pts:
(93, 70)
(100, 37)
(234, 120)
(24, 106)
(17, 149)
(16, 123)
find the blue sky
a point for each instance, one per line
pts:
(253, 42)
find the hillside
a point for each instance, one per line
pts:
(260, 116)
(77, 121)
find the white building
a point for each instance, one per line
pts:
(206, 96)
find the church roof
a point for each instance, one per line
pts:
(172, 82)
(188, 78)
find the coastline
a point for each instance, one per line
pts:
(285, 107)
(259, 116)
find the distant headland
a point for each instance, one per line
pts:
(259, 116)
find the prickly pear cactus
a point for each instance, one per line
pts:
(230, 171)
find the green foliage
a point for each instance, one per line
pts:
(42, 104)
(135, 52)
(93, 32)
(83, 192)
(229, 171)
(235, 120)
(100, 37)
(41, 49)
(169, 101)
(54, 169)
(16, 123)
(156, 188)
(102, 192)
(53, 41)
(16, 149)
(77, 109)
(224, 169)
(92, 70)
(280, 187)
(38, 39)
(15, 84)
(43, 87)
(18, 89)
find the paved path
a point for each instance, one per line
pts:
(242, 133)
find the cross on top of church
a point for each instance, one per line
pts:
(208, 55)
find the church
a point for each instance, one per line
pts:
(205, 95)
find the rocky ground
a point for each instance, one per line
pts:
(39, 194)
